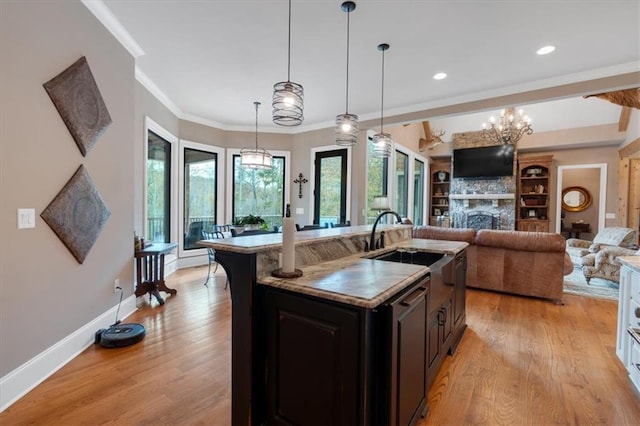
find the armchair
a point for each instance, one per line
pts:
(582, 252)
(606, 264)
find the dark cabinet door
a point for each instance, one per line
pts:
(459, 289)
(409, 356)
(433, 347)
(312, 362)
(447, 324)
(459, 300)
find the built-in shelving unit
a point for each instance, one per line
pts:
(534, 190)
(440, 186)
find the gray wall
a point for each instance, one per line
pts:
(146, 105)
(45, 294)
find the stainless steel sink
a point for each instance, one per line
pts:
(410, 256)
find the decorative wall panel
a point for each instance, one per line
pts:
(75, 94)
(77, 214)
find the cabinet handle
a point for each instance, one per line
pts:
(442, 316)
(417, 294)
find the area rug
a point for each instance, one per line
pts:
(575, 283)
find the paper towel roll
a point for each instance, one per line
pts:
(288, 245)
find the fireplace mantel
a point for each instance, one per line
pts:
(482, 196)
(494, 199)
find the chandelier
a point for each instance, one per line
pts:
(255, 158)
(510, 128)
(382, 142)
(347, 124)
(288, 97)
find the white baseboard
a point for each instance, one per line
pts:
(17, 383)
(189, 262)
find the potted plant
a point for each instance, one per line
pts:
(249, 222)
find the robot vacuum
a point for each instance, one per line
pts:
(120, 335)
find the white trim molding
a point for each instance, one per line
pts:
(603, 192)
(229, 178)
(220, 188)
(17, 383)
(111, 23)
(312, 178)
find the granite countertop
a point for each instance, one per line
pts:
(632, 262)
(263, 242)
(358, 281)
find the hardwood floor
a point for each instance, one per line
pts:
(521, 361)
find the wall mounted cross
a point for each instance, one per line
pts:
(301, 179)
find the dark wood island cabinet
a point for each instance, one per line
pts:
(353, 341)
(338, 364)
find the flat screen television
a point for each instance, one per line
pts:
(483, 162)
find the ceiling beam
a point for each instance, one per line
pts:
(625, 98)
(630, 149)
(625, 115)
(618, 82)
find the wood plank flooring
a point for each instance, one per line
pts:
(521, 361)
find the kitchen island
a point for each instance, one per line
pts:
(336, 333)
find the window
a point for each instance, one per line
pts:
(377, 179)
(401, 178)
(158, 188)
(418, 192)
(200, 184)
(330, 186)
(260, 192)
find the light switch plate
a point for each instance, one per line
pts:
(26, 218)
(299, 210)
(609, 215)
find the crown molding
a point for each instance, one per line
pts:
(111, 23)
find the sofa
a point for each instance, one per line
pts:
(514, 262)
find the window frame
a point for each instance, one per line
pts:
(391, 181)
(425, 203)
(230, 153)
(312, 177)
(151, 125)
(220, 188)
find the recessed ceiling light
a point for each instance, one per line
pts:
(440, 76)
(545, 50)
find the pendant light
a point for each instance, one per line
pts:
(288, 97)
(255, 158)
(382, 142)
(347, 124)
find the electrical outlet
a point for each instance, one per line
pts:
(116, 285)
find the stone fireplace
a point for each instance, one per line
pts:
(487, 203)
(483, 211)
(478, 219)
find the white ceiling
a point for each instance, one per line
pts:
(209, 60)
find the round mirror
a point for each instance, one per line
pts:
(575, 199)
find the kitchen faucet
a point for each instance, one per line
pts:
(372, 242)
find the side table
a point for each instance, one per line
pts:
(575, 232)
(150, 270)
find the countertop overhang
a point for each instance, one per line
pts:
(360, 281)
(632, 262)
(264, 242)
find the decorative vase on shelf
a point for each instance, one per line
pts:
(442, 176)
